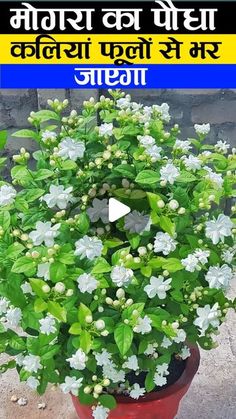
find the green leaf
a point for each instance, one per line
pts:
(40, 305)
(5, 219)
(86, 399)
(102, 266)
(57, 271)
(82, 223)
(108, 401)
(172, 265)
(46, 115)
(25, 133)
(167, 225)
(23, 265)
(43, 174)
(68, 165)
(123, 337)
(33, 194)
(75, 329)
(149, 381)
(57, 311)
(83, 312)
(153, 200)
(181, 196)
(85, 341)
(17, 343)
(127, 313)
(186, 177)
(126, 171)
(3, 139)
(147, 177)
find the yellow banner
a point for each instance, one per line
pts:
(117, 49)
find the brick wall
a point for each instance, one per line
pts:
(187, 108)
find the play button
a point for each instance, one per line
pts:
(117, 210)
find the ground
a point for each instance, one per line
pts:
(211, 396)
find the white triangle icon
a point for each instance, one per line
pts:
(117, 210)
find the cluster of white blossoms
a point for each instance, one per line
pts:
(183, 146)
(44, 233)
(164, 243)
(70, 149)
(137, 222)
(121, 276)
(58, 196)
(71, 385)
(194, 261)
(87, 283)
(7, 195)
(203, 129)
(160, 375)
(99, 210)
(88, 247)
(11, 315)
(219, 277)
(47, 325)
(169, 173)
(151, 149)
(158, 287)
(215, 178)
(218, 229)
(106, 130)
(143, 325)
(78, 360)
(207, 316)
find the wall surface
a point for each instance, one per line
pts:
(187, 107)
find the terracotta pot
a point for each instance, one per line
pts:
(163, 404)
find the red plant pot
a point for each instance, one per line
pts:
(163, 404)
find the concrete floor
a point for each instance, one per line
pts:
(211, 396)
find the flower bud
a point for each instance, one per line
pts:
(98, 389)
(89, 319)
(69, 293)
(100, 324)
(120, 293)
(46, 289)
(142, 251)
(60, 288)
(160, 203)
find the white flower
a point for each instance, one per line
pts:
(217, 230)
(100, 412)
(78, 360)
(162, 369)
(19, 359)
(158, 287)
(106, 130)
(44, 271)
(103, 358)
(181, 336)
(159, 380)
(151, 349)
(185, 353)
(4, 303)
(136, 222)
(113, 374)
(215, 178)
(121, 276)
(31, 363)
(169, 173)
(203, 129)
(166, 343)
(99, 210)
(207, 316)
(32, 382)
(7, 195)
(164, 243)
(143, 325)
(154, 153)
(219, 277)
(47, 325)
(227, 256)
(13, 317)
(87, 283)
(190, 263)
(71, 385)
(146, 140)
(26, 288)
(90, 247)
(222, 146)
(131, 363)
(192, 163)
(202, 255)
(48, 135)
(163, 109)
(123, 103)
(137, 391)
(71, 149)
(58, 196)
(184, 146)
(44, 232)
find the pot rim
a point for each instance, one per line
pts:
(184, 380)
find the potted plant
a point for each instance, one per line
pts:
(113, 312)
